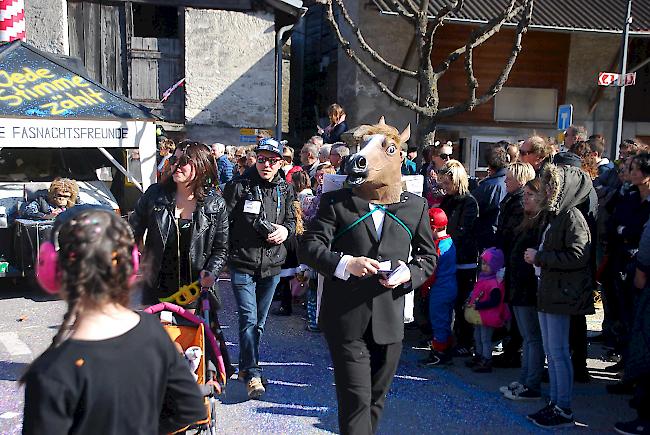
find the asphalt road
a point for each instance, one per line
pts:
(301, 397)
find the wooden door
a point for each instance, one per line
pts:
(97, 35)
(156, 64)
(101, 35)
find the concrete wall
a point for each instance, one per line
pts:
(230, 73)
(589, 55)
(46, 24)
(363, 101)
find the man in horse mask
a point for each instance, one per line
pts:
(373, 244)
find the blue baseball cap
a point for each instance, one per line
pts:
(270, 144)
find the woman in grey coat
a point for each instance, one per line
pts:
(565, 283)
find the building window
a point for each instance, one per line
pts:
(151, 21)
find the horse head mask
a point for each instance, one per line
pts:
(375, 171)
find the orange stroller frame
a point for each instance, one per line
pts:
(194, 332)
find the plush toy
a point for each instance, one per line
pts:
(193, 355)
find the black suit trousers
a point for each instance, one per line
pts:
(363, 372)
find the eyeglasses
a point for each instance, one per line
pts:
(62, 196)
(272, 160)
(445, 156)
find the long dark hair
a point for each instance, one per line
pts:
(300, 181)
(532, 220)
(205, 168)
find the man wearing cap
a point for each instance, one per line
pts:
(260, 211)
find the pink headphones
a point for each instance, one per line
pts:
(47, 270)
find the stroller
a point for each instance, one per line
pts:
(186, 330)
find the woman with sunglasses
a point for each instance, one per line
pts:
(186, 225)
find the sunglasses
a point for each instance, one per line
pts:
(445, 156)
(524, 153)
(179, 161)
(63, 196)
(272, 160)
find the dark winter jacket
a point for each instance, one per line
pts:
(520, 279)
(511, 213)
(566, 283)
(631, 213)
(250, 253)
(462, 211)
(154, 213)
(637, 362)
(334, 135)
(489, 194)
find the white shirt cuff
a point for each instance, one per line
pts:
(341, 269)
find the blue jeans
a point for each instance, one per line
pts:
(483, 341)
(441, 310)
(532, 356)
(555, 335)
(254, 296)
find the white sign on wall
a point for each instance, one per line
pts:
(75, 133)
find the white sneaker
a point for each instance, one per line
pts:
(511, 387)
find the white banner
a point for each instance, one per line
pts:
(75, 133)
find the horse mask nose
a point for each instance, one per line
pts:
(356, 169)
(357, 166)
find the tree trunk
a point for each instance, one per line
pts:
(425, 137)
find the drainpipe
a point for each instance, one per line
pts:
(280, 40)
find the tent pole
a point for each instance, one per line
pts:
(120, 168)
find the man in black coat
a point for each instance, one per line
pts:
(350, 242)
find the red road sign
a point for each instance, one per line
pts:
(614, 79)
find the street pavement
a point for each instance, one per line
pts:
(301, 398)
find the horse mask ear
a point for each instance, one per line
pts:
(406, 134)
(382, 121)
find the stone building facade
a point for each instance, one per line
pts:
(227, 59)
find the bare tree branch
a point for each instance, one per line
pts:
(362, 42)
(345, 44)
(414, 7)
(438, 21)
(500, 81)
(402, 10)
(472, 83)
(479, 37)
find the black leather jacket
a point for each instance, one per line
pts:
(154, 213)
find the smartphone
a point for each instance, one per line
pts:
(385, 274)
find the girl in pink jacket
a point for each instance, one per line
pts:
(487, 298)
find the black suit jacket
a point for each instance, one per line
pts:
(347, 307)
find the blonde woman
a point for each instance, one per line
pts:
(461, 209)
(511, 215)
(511, 209)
